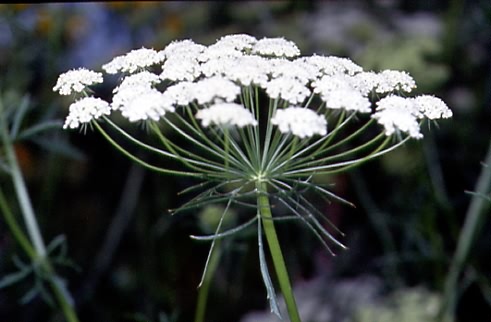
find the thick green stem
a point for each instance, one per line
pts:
(275, 250)
(204, 289)
(474, 218)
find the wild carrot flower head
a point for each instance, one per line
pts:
(256, 116)
(291, 112)
(254, 110)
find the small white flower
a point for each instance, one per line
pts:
(214, 88)
(401, 102)
(133, 86)
(134, 60)
(432, 107)
(245, 70)
(182, 48)
(150, 104)
(297, 69)
(145, 79)
(276, 47)
(76, 80)
(226, 114)
(85, 110)
(366, 82)
(219, 50)
(327, 84)
(300, 121)
(288, 89)
(394, 80)
(181, 93)
(218, 66)
(398, 113)
(332, 65)
(181, 68)
(349, 100)
(126, 94)
(237, 41)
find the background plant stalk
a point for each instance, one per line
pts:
(38, 251)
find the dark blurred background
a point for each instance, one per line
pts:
(135, 262)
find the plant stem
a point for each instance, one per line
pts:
(204, 289)
(40, 253)
(275, 250)
(474, 218)
(15, 228)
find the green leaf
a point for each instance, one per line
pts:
(29, 296)
(20, 113)
(39, 128)
(59, 146)
(57, 242)
(13, 278)
(226, 233)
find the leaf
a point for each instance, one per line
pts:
(39, 128)
(477, 194)
(29, 296)
(226, 233)
(57, 242)
(60, 147)
(271, 294)
(13, 278)
(20, 113)
(210, 252)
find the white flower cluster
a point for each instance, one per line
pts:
(85, 110)
(299, 121)
(133, 61)
(214, 78)
(76, 80)
(403, 114)
(226, 114)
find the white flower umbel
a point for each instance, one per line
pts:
(394, 80)
(245, 70)
(76, 80)
(226, 114)
(432, 107)
(150, 104)
(135, 60)
(241, 42)
(84, 111)
(215, 88)
(181, 69)
(276, 47)
(347, 99)
(300, 122)
(248, 118)
(181, 48)
(396, 113)
(332, 65)
(143, 79)
(133, 86)
(289, 89)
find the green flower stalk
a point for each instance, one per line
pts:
(258, 117)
